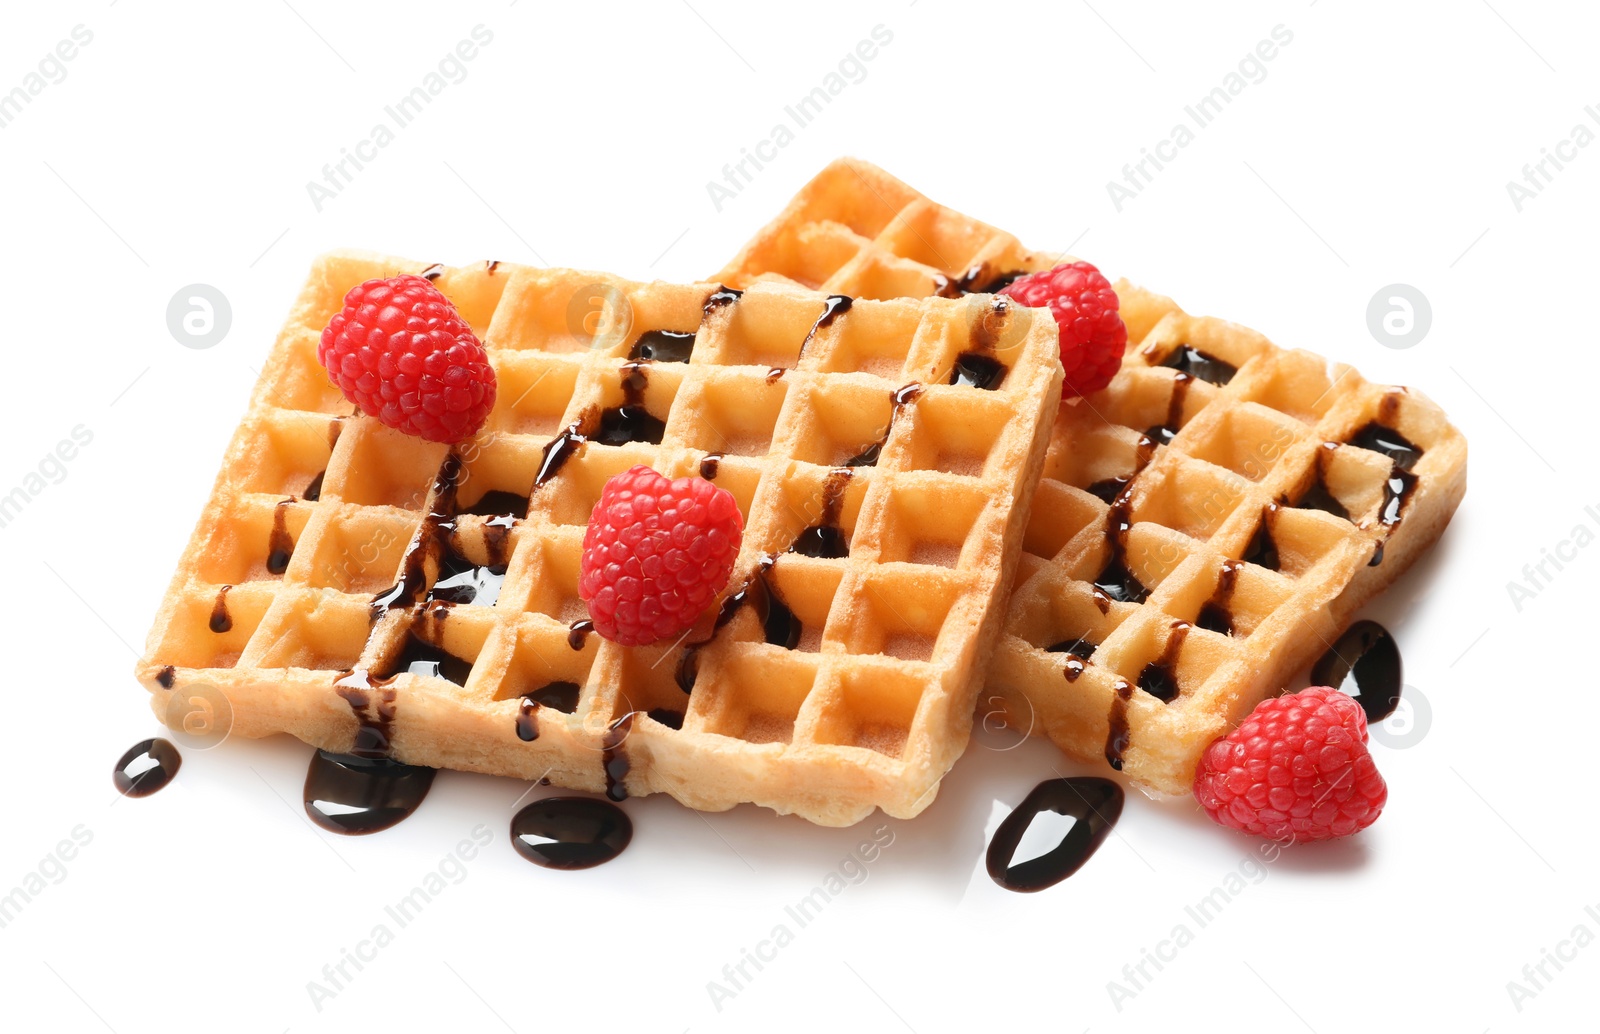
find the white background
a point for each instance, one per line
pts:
(1375, 151)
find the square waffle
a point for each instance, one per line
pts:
(366, 590)
(1205, 526)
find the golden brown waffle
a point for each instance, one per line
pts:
(324, 589)
(1205, 526)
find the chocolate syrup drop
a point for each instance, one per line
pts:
(570, 832)
(1078, 652)
(1190, 360)
(1364, 663)
(835, 306)
(613, 759)
(664, 346)
(720, 297)
(1389, 442)
(978, 371)
(280, 546)
(900, 397)
(354, 795)
(631, 421)
(221, 620)
(710, 465)
(313, 492)
(1094, 804)
(1117, 732)
(1217, 613)
(434, 271)
(578, 633)
(557, 451)
(528, 721)
(1262, 550)
(499, 503)
(167, 676)
(1159, 678)
(825, 538)
(463, 582)
(146, 767)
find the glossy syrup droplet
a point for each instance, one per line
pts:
(570, 832)
(354, 795)
(146, 767)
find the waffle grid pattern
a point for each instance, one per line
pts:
(841, 683)
(1184, 474)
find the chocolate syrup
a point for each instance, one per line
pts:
(1391, 443)
(1217, 613)
(464, 582)
(631, 421)
(688, 669)
(720, 297)
(1078, 652)
(578, 633)
(710, 465)
(1107, 489)
(313, 492)
(1117, 733)
(978, 371)
(434, 271)
(280, 546)
(1115, 581)
(1365, 663)
(372, 701)
(835, 306)
(499, 503)
(663, 346)
(146, 767)
(528, 721)
(825, 538)
(430, 661)
(428, 542)
(353, 795)
(491, 265)
(671, 718)
(614, 759)
(558, 696)
(1318, 497)
(901, 397)
(167, 676)
(1189, 360)
(1164, 433)
(778, 622)
(1159, 678)
(570, 832)
(775, 374)
(221, 620)
(557, 451)
(1262, 550)
(1094, 804)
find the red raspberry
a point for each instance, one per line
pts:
(1298, 769)
(1085, 308)
(656, 554)
(401, 352)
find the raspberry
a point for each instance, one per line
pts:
(401, 352)
(656, 553)
(1298, 769)
(1085, 307)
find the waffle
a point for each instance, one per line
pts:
(365, 590)
(1204, 527)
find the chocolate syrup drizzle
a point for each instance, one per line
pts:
(1159, 678)
(631, 421)
(825, 538)
(835, 306)
(221, 621)
(900, 398)
(1093, 803)
(1217, 613)
(1188, 360)
(1117, 732)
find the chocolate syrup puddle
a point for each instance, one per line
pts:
(1189, 360)
(1094, 804)
(428, 542)
(1364, 663)
(463, 582)
(1078, 652)
(146, 767)
(570, 832)
(578, 633)
(1391, 443)
(664, 346)
(353, 795)
(499, 503)
(1164, 433)
(825, 538)
(835, 306)
(1262, 550)
(631, 421)
(900, 397)
(313, 492)
(1117, 733)
(710, 465)
(221, 620)
(978, 371)
(280, 546)
(1217, 613)
(1159, 678)
(614, 759)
